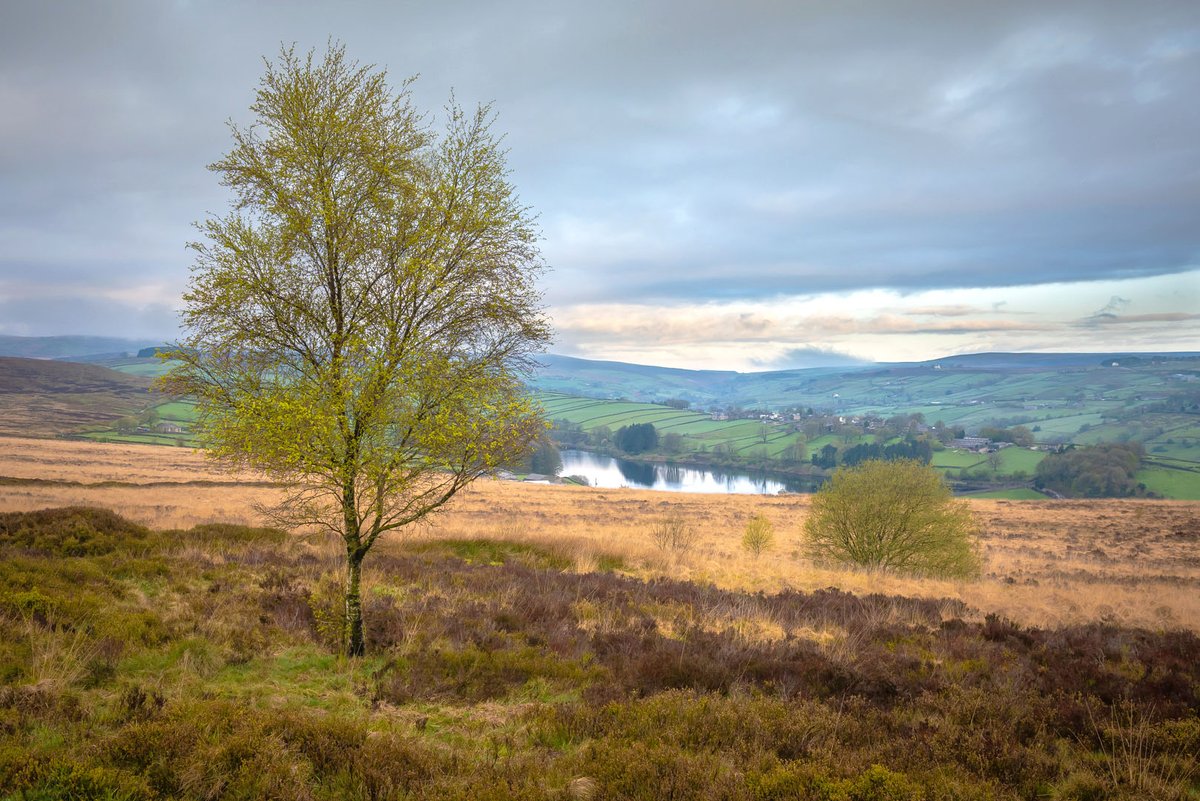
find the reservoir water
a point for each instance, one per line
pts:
(606, 471)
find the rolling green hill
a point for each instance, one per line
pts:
(1064, 398)
(1066, 395)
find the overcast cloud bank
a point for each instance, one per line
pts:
(881, 179)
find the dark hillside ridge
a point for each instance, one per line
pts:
(69, 347)
(41, 397)
(553, 361)
(53, 377)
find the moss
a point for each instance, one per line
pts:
(498, 552)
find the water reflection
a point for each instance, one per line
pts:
(605, 471)
(636, 473)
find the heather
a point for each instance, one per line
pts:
(203, 663)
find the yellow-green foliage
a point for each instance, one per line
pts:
(759, 535)
(893, 515)
(358, 323)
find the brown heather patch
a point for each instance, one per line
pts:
(147, 664)
(1046, 563)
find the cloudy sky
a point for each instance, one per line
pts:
(748, 185)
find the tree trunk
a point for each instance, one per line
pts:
(354, 621)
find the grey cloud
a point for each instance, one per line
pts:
(1109, 319)
(796, 358)
(942, 311)
(674, 151)
(680, 326)
(1114, 305)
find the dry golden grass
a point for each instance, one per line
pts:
(1045, 562)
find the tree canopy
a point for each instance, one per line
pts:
(637, 438)
(1106, 470)
(358, 323)
(892, 515)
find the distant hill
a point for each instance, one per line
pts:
(1027, 361)
(70, 347)
(605, 379)
(40, 397)
(996, 377)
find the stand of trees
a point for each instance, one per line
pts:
(636, 438)
(911, 448)
(1018, 435)
(1099, 471)
(916, 448)
(544, 458)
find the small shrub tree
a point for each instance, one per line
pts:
(673, 534)
(759, 535)
(897, 516)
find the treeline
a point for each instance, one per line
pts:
(1097, 471)
(917, 448)
(1017, 435)
(642, 438)
(636, 438)
(632, 439)
(543, 458)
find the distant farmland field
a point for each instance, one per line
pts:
(1172, 482)
(1172, 471)
(699, 431)
(151, 368)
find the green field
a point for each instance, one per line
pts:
(1067, 426)
(180, 412)
(1015, 459)
(750, 438)
(1173, 470)
(700, 432)
(958, 459)
(184, 439)
(1179, 484)
(1081, 406)
(1019, 494)
(151, 368)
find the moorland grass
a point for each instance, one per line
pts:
(190, 664)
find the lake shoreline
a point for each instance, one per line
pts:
(606, 470)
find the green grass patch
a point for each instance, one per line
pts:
(496, 552)
(179, 411)
(150, 368)
(1016, 459)
(305, 676)
(1018, 494)
(184, 439)
(1067, 426)
(1183, 485)
(957, 459)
